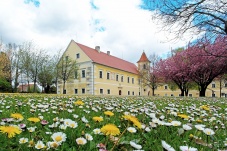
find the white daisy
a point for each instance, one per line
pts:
(81, 141)
(136, 146)
(187, 148)
(59, 137)
(131, 129)
(88, 137)
(186, 127)
(208, 131)
(97, 131)
(167, 146)
(39, 145)
(23, 140)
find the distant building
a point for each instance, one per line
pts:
(101, 73)
(25, 88)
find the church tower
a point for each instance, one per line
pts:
(143, 63)
(144, 69)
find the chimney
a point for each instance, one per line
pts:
(97, 48)
(108, 52)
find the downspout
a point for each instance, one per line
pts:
(93, 81)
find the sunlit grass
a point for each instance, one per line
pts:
(112, 123)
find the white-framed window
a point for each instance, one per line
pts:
(100, 73)
(128, 92)
(128, 79)
(132, 80)
(101, 91)
(83, 90)
(77, 56)
(122, 78)
(83, 75)
(117, 77)
(165, 87)
(213, 85)
(76, 91)
(133, 93)
(190, 95)
(108, 75)
(108, 91)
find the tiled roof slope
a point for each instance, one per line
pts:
(108, 60)
(143, 58)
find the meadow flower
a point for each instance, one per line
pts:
(205, 107)
(133, 119)
(208, 131)
(23, 140)
(22, 126)
(131, 129)
(39, 145)
(187, 148)
(63, 126)
(11, 130)
(44, 122)
(200, 127)
(136, 146)
(81, 141)
(31, 129)
(97, 131)
(110, 129)
(184, 116)
(59, 137)
(73, 124)
(109, 113)
(79, 102)
(167, 146)
(34, 119)
(84, 119)
(176, 123)
(52, 145)
(88, 137)
(97, 119)
(186, 127)
(17, 116)
(31, 143)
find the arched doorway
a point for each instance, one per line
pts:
(119, 92)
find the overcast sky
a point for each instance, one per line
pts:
(119, 26)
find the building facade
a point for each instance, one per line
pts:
(100, 73)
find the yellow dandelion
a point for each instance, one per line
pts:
(109, 113)
(79, 102)
(34, 119)
(205, 107)
(11, 131)
(133, 119)
(110, 129)
(97, 119)
(184, 116)
(17, 116)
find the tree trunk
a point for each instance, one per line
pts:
(64, 87)
(202, 92)
(153, 91)
(182, 92)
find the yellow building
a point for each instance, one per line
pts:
(100, 73)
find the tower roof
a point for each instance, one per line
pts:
(143, 58)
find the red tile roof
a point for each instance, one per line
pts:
(143, 58)
(108, 60)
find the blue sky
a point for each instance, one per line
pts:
(123, 27)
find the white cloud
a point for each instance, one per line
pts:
(120, 27)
